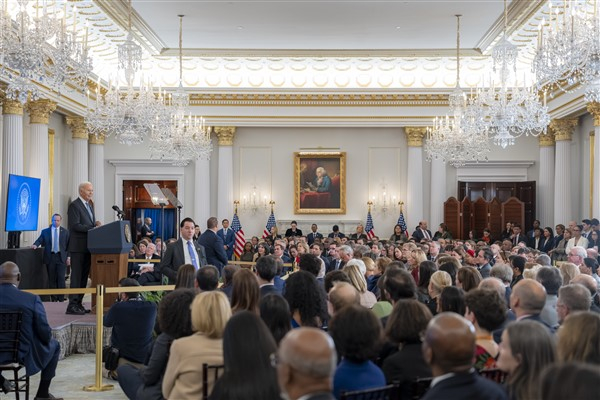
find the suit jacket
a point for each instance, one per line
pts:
(466, 386)
(418, 234)
(540, 245)
(156, 274)
(336, 234)
(174, 258)
(45, 241)
(145, 230)
(268, 289)
(213, 245)
(79, 225)
(289, 232)
(36, 346)
(519, 238)
(310, 238)
(485, 270)
(228, 240)
(152, 373)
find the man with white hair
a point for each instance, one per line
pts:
(576, 255)
(148, 275)
(572, 298)
(359, 263)
(346, 253)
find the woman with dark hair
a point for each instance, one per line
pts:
(247, 254)
(146, 382)
(487, 236)
(571, 380)
(451, 266)
(245, 292)
(452, 299)
(307, 300)
(407, 322)
(548, 235)
(357, 334)
(248, 372)
(275, 312)
(397, 236)
(186, 275)
(389, 251)
(263, 249)
(594, 240)
(426, 269)
(507, 232)
(579, 338)
(442, 233)
(468, 278)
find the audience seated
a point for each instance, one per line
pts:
(551, 280)
(452, 299)
(341, 295)
(527, 300)
(426, 269)
(367, 298)
(590, 284)
(245, 293)
(572, 298)
(527, 347)
(307, 300)
(275, 312)
(569, 380)
(186, 277)
(228, 272)
(356, 332)
(207, 278)
(468, 278)
(146, 382)
(247, 347)
(439, 280)
(266, 269)
(183, 376)
(579, 338)
(568, 271)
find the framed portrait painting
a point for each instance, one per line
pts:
(320, 182)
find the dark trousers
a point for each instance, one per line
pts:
(56, 275)
(80, 270)
(129, 380)
(49, 371)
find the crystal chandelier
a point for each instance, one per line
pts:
(455, 139)
(187, 137)
(128, 113)
(508, 112)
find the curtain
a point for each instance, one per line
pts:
(155, 214)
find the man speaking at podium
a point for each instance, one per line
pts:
(81, 220)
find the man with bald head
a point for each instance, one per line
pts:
(590, 284)
(38, 351)
(527, 300)
(342, 294)
(306, 361)
(449, 349)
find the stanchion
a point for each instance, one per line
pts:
(98, 386)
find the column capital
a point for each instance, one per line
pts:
(12, 107)
(548, 139)
(40, 111)
(563, 128)
(415, 135)
(96, 139)
(78, 127)
(225, 135)
(594, 109)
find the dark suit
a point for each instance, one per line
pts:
(466, 386)
(228, 240)
(174, 258)
(268, 289)
(150, 278)
(38, 351)
(213, 245)
(80, 223)
(519, 238)
(418, 234)
(336, 234)
(333, 265)
(485, 270)
(147, 232)
(55, 262)
(290, 232)
(310, 238)
(540, 245)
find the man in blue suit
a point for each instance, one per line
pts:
(228, 237)
(38, 351)
(55, 240)
(213, 245)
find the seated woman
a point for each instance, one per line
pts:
(398, 235)
(356, 332)
(245, 292)
(263, 249)
(578, 338)
(439, 280)
(247, 254)
(367, 298)
(442, 233)
(307, 300)
(183, 376)
(486, 310)
(359, 234)
(452, 299)
(248, 371)
(186, 276)
(468, 278)
(408, 320)
(275, 312)
(146, 382)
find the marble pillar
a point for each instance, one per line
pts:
(563, 205)
(414, 200)
(546, 180)
(225, 136)
(80, 154)
(438, 193)
(594, 109)
(201, 191)
(96, 175)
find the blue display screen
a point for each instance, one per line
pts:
(23, 203)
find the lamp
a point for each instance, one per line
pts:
(253, 201)
(383, 201)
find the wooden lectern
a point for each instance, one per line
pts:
(109, 245)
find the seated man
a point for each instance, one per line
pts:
(147, 273)
(132, 321)
(38, 351)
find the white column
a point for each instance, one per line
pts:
(414, 182)
(201, 191)
(594, 109)
(39, 114)
(563, 207)
(546, 181)
(438, 193)
(12, 154)
(80, 154)
(225, 135)
(96, 174)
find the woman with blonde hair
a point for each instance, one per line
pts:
(183, 375)
(569, 271)
(579, 338)
(245, 292)
(438, 281)
(416, 257)
(357, 278)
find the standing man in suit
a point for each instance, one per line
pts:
(228, 237)
(147, 232)
(310, 238)
(184, 250)
(213, 245)
(55, 240)
(422, 232)
(38, 351)
(81, 220)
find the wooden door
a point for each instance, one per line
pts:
(452, 216)
(480, 216)
(513, 210)
(466, 217)
(495, 218)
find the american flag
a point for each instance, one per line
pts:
(240, 240)
(369, 227)
(402, 223)
(270, 223)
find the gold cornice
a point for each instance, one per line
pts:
(415, 135)
(547, 140)
(225, 135)
(40, 111)
(12, 107)
(97, 139)
(594, 109)
(563, 128)
(78, 127)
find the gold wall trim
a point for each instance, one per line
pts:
(50, 174)
(225, 135)
(592, 161)
(415, 135)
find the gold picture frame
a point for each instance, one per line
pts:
(320, 182)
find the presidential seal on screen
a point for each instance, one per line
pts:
(24, 203)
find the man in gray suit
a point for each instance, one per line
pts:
(183, 251)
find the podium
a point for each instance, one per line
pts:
(109, 245)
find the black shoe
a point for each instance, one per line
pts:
(75, 310)
(50, 397)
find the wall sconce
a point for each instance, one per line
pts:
(383, 202)
(253, 202)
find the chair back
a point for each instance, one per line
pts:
(494, 374)
(210, 371)
(389, 392)
(418, 387)
(10, 333)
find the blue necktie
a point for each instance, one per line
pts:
(89, 208)
(55, 240)
(192, 254)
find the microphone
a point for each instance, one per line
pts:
(118, 210)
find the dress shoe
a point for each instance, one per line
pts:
(75, 310)
(50, 397)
